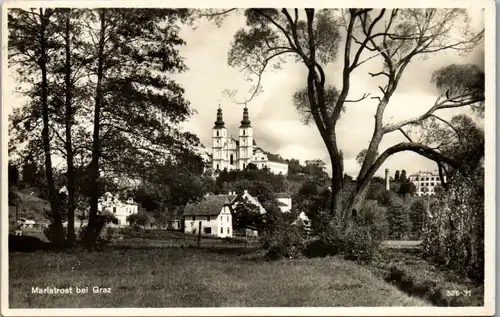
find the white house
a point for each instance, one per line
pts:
(284, 202)
(425, 182)
(120, 209)
(212, 215)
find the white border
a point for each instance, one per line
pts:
(490, 116)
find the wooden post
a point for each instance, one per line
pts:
(199, 234)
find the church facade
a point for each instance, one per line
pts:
(235, 154)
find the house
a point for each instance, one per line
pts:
(212, 215)
(425, 182)
(120, 209)
(284, 202)
(317, 163)
(235, 199)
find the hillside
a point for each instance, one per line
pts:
(30, 206)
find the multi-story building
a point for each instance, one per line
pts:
(235, 154)
(425, 182)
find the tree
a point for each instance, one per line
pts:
(396, 176)
(360, 158)
(246, 214)
(454, 234)
(403, 178)
(395, 36)
(69, 98)
(13, 175)
(139, 220)
(31, 49)
(136, 113)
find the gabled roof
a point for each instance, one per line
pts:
(283, 195)
(209, 206)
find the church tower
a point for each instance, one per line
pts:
(219, 139)
(246, 141)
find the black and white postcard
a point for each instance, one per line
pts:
(275, 158)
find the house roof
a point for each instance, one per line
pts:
(209, 206)
(283, 195)
(230, 198)
(275, 158)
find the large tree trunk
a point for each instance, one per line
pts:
(91, 233)
(57, 228)
(337, 184)
(68, 143)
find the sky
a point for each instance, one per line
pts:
(277, 125)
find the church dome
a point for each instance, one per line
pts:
(219, 124)
(245, 123)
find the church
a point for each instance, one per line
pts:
(235, 154)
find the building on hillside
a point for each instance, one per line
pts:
(425, 182)
(317, 162)
(284, 202)
(235, 154)
(120, 209)
(212, 215)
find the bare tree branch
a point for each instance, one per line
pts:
(365, 95)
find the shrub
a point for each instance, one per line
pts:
(374, 216)
(454, 235)
(285, 243)
(358, 244)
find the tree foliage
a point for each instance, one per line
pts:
(108, 69)
(454, 234)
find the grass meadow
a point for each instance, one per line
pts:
(190, 277)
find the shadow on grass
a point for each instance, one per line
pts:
(27, 244)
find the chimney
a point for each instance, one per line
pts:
(245, 191)
(387, 187)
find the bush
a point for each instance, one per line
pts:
(454, 235)
(374, 217)
(287, 243)
(358, 244)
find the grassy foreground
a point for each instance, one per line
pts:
(188, 277)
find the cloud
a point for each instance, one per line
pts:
(276, 123)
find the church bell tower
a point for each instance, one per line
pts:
(219, 139)
(246, 141)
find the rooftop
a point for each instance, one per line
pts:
(283, 195)
(209, 206)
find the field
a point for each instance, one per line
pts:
(192, 277)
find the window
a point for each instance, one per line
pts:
(227, 230)
(217, 133)
(194, 218)
(208, 230)
(208, 218)
(217, 166)
(114, 210)
(244, 165)
(231, 159)
(243, 132)
(227, 218)
(221, 230)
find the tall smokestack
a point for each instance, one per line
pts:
(387, 187)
